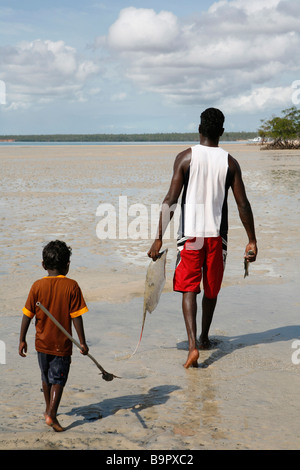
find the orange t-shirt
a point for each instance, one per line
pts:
(63, 298)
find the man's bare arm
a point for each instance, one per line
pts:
(244, 207)
(181, 165)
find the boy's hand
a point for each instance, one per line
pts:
(84, 349)
(23, 348)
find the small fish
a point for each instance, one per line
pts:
(154, 284)
(246, 263)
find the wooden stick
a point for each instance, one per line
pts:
(106, 375)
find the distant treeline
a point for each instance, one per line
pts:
(163, 137)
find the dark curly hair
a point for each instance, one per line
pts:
(211, 124)
(56, 255)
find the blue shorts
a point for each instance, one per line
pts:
(54, 369)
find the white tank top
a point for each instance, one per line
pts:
(204, 199)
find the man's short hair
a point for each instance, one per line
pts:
(211, 123)
(56, 255)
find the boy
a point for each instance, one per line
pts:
(63, 298)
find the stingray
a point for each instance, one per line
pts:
(154, 284)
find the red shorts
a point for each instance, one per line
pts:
(197, 256)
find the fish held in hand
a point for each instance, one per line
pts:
(246, 263)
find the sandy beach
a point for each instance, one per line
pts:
(244, 395)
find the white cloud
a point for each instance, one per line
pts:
(143, 30)
(236, 53)
(38, 71)
(259, 99)
(249, 7)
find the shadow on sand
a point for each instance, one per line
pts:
(134, 403)
(223, 345)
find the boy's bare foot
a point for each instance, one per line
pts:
(192, 359)
(54, 424)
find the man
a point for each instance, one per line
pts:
(205, 172)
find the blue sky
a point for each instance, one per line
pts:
(141, 66)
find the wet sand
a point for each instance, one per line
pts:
(243, 395)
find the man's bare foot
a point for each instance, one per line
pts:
(54, 424)
(192, 359)
(204, 344)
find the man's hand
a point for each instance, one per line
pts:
(253, 248)
(154, 250)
